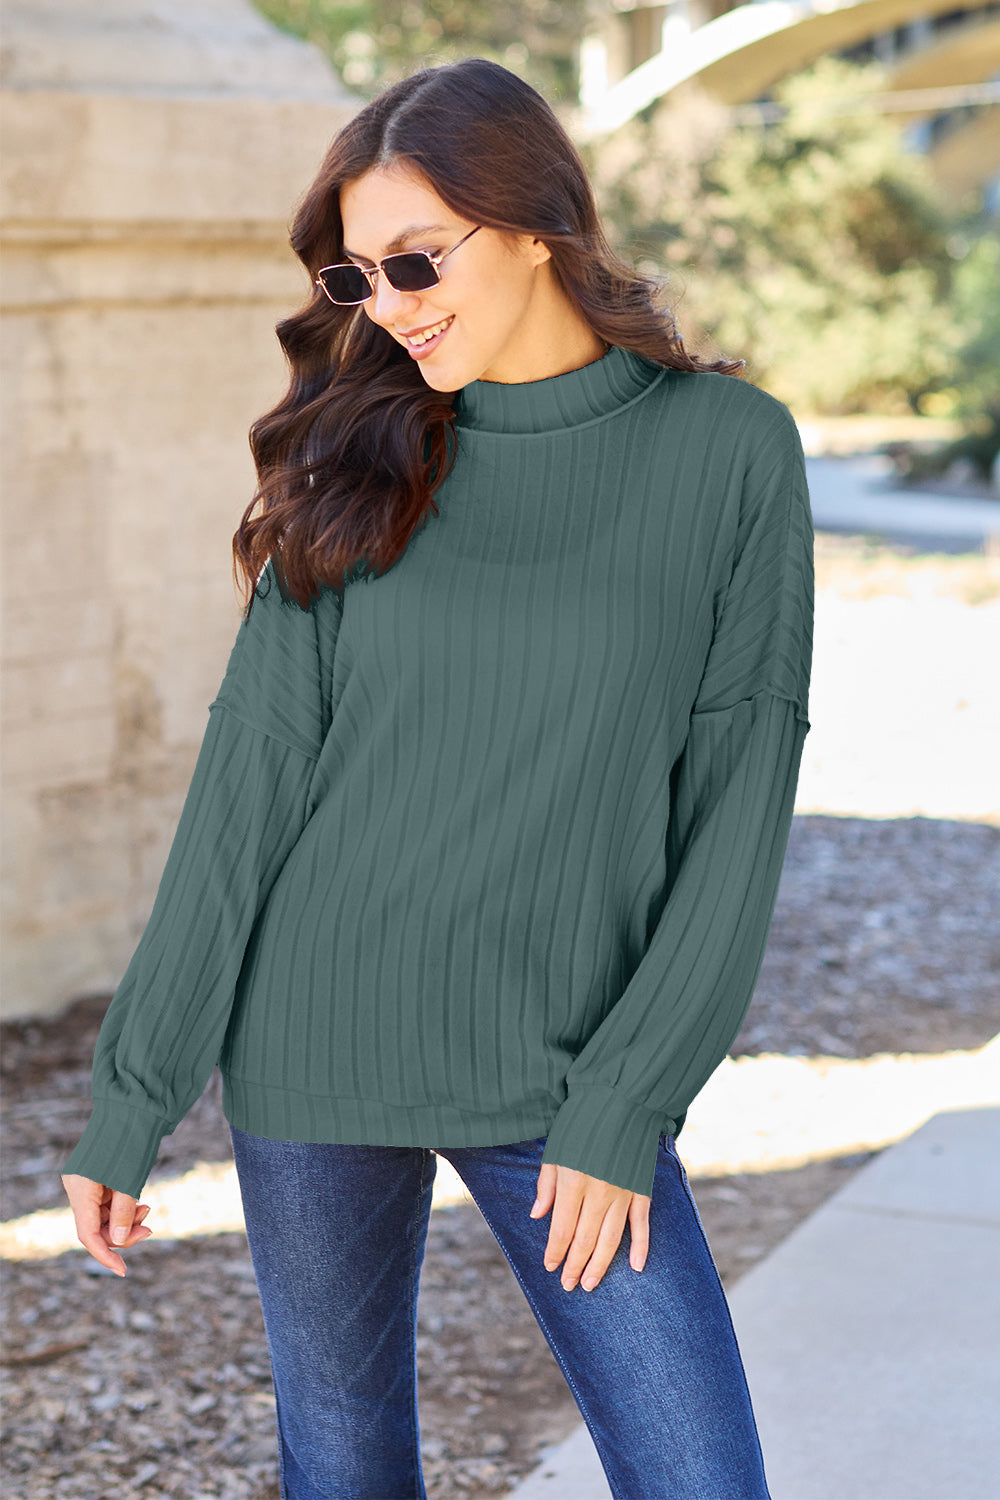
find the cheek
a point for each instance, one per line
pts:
(493, 293)
(508, 312)
(518, 287)
(497, 302)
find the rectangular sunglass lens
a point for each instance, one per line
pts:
(410, 272)
(346, 283)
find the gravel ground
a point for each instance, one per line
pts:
(159, 1385)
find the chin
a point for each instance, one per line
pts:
(438, 382)
(446, 379)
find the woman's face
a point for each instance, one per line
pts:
(491, 309)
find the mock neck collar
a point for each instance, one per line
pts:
(536, 406)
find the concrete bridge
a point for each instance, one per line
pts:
(641, 55)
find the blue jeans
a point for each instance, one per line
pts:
(337, 1235)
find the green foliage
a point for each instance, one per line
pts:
(374, 42)
(814, 247)
(325, 23)
(976, 309)
(974, 395)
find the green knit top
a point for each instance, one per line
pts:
(490, 850)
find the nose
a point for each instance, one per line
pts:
(388, 306)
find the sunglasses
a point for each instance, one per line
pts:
(412, 271)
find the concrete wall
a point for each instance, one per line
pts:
(153, 155)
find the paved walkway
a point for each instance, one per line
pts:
(850, 495)
(871, 1336)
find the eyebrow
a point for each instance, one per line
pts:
(413, 232)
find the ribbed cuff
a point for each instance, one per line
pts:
(607, 1135)
(118, 1147)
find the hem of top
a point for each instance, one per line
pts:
(286, 1115)
(558, 431)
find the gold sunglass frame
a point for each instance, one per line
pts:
(371, 272)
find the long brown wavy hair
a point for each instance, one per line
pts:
(350, 458)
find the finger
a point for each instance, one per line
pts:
(121, 1217)
(89, 1201)
(96, 1246)
(86, 1199)
(595, 1242)
(570, 1187)
(545, 1192)
(604, 1252)
(139, 1231)
(638, 1216)
(577, 1221)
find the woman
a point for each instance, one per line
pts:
(484, 839)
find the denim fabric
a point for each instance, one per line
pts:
(337, 1235)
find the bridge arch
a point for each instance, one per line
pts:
(740, 55)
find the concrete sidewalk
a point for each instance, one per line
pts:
(854, 495)
(871, 1336)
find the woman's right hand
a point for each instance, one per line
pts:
(105, 1217)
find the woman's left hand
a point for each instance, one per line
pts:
(587, 1222)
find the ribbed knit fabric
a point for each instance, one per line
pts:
(492, 851)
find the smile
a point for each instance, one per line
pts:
(424, 336)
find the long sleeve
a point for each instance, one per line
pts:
(246, 806)
(732, 797)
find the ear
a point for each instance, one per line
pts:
(540, 252)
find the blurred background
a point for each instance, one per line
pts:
(816, 184)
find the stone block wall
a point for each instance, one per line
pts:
(153, 156)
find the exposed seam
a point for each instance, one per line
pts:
(415, 1426)
(282, 1480)
(679, 1166)
(276, 739)
(764, 692)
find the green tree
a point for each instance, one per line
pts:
(812, 246)
(974, 393)
(976, 302)
(374, 42)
